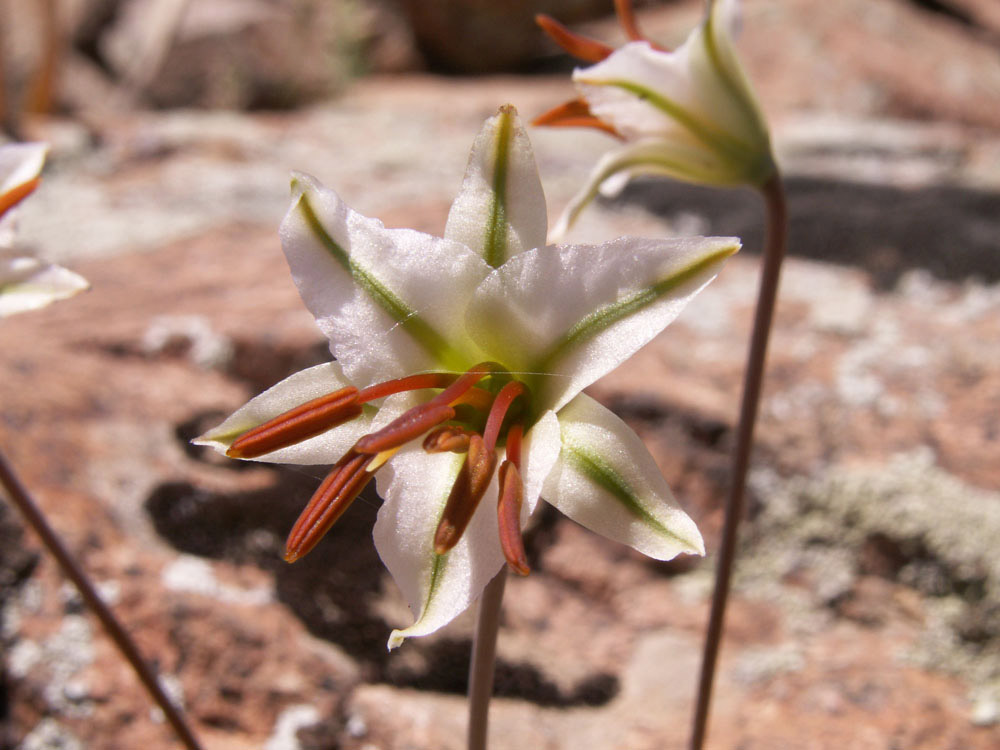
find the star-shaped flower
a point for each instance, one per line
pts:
(481, 342)
(26, 283)
(689, 114)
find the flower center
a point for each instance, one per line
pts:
(472, 414)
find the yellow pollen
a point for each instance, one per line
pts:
(381, 458)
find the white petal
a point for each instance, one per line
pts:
(540, 451)
(500, 211)
(695, 98)
(293, 391)
(667, 74)
(416, 486)
(438, 588)
(389, 300)
(566, 315)
(27, 283)
(19, 163)
(650, 156)
(606, 480)
(720, 77)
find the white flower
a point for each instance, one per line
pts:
(689, 114)
(474, 340)
(26, 283)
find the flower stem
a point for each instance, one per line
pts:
(774, 252)
(128, 648)
(484, 651)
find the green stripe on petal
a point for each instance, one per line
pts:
(407, 318)
(495, 247)
(706, 132)
(603, 475)
(603, 318)
(570, 314)
(500, 210)
(606, 480)
(437, 588)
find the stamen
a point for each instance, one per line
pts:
(334, 496)
(513, 447)
(456, 390)
(470, 486)
(409, 383)
(498, 411)
(626, 16)
(574, 114)
(17, 194)
(588, 50)
(298, 424)
(448, 439)
(477, 398)
(509, 518)
(412, 424)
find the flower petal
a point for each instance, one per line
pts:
(416, 486)
(540, 451)
(696, 98)
(377, 293)
(293, 391)
(606, 480)
(20, 163)
(500, 210)
(27, 283)
(438, 588)
(566, 315)
(650, 156)
(716, 57)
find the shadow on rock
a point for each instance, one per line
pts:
(336, 589)
(948, 231)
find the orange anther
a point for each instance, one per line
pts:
(470, 486)
(17, 194)
(574, 114)
(588, 50)
(334, 496)
(447, 439)
(509, 518)
(298, 424)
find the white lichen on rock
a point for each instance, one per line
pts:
(941, 535)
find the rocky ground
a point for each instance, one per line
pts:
(867, 612)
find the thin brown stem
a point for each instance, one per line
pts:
(774, 252)
(484, 651)
(36, 519)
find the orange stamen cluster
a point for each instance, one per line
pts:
(352, 473)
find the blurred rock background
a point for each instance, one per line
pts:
(867, 613)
